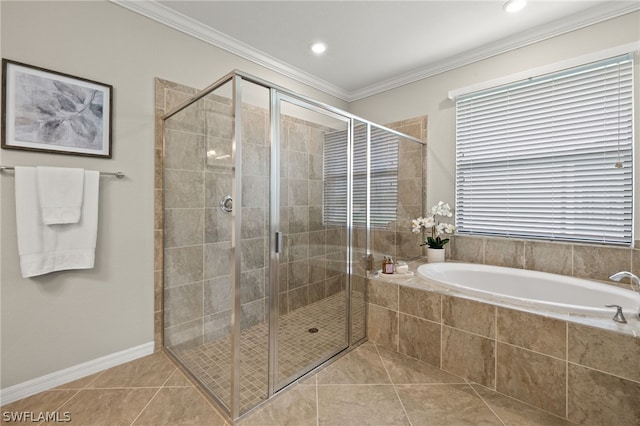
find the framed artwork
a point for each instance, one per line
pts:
(48, 111)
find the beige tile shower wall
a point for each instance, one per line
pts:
(165, 92)
(397, 240)
(313, 264)
(595, 262)
(194, 246)
(585, 374)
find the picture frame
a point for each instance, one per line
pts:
(53, 112)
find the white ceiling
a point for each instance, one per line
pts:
(373, 45)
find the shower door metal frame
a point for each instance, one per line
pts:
(275, 240)
(276, 97)
(236, 78)
(236, 244)
(233, 407)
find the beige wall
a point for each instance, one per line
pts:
(66, 318)
(429, 96)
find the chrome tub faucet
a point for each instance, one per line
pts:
(634, 280)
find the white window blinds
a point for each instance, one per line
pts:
(383, 177)
(550, 157)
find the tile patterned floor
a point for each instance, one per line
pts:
(369, 386)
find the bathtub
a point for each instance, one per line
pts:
(539, 291)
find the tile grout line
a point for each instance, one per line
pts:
(395, 389)
(441, 363)
(572, 260)
(76, 394)
(397, 336)
(390, 384)
(603, 372)
(485, 402)
(154, 395)
(495, 339)
(146, 405)
(523, 348)
(125, 387)
(61, 406)
(566, 370)
(522, 402)
(411, 315)
(472, 333)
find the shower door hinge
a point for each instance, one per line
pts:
(368, 260)
(278, 242)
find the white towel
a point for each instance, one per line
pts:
(60, 190)
(48, 248)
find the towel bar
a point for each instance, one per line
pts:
(119, 175)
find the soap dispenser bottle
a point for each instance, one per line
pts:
(387, 265)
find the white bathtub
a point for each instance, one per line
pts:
(540, 291)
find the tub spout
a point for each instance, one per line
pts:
(634, 280)
(625, 274)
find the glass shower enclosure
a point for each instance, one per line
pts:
(267, 201)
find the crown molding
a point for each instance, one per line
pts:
(580, 20)
(164, 15)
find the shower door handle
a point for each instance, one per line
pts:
(279, 244)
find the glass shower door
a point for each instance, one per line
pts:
(312, 324)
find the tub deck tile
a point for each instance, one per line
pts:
(601, 399)
(469, 355)
(612, 353)
(469, 315)
(531, 377)
(534, 332)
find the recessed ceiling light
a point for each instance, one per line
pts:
(513, 6)
(318, 48)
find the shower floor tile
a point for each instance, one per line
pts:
(299, 350)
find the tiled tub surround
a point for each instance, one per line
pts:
(590, 261)
(585, 374)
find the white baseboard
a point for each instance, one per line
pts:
(57, 378)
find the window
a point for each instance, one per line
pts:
(550, 157)
(383, 177)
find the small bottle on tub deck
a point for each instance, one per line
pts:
(387, 265)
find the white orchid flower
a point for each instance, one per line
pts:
(441, 209)
(416, 225)
(428, 222)
(437, 228)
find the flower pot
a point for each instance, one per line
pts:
(435, 255)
